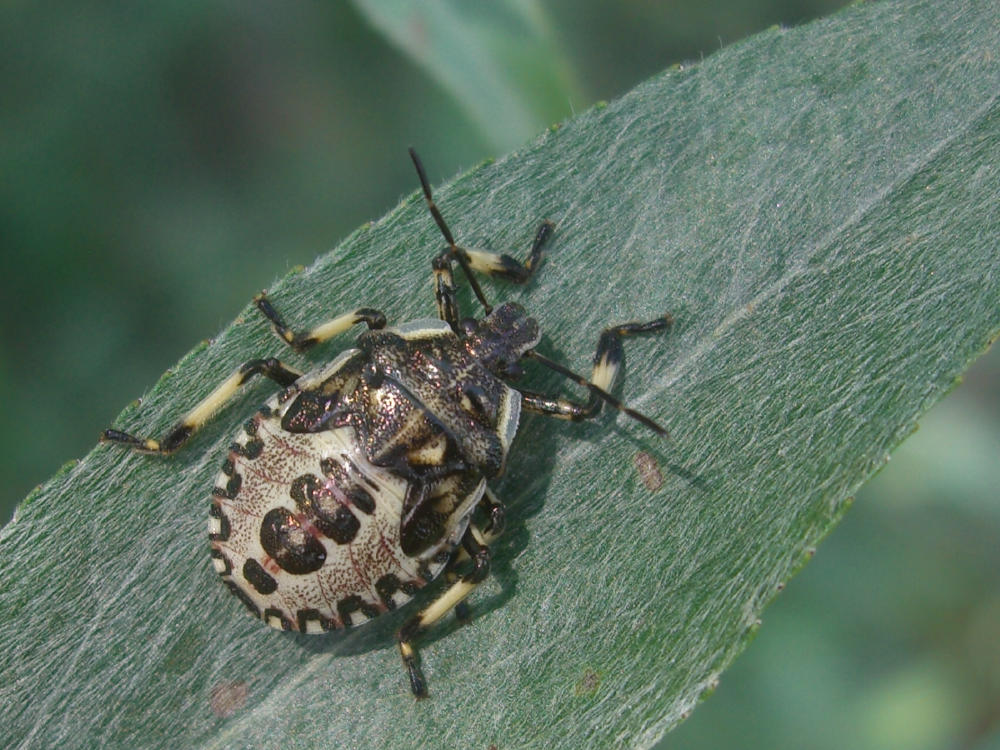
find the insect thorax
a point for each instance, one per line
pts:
(430, 401)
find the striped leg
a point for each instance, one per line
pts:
(324, 331)
(607, 360)
(493, 264)
(506, 267)
(483, 261)
(495, 512)
(444, 291)
(475, 546)
(194, 419)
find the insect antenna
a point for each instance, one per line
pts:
(457, 252)
(597, 391)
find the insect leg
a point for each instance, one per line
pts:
(324, 331)
(495, 511)
(444, 291)
(194, 419)
(493, 264)
(473, 546)
(506, 267)
(607, 361)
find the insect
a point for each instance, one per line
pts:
(364, 479)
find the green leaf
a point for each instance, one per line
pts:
(499, 60)
(819, 210)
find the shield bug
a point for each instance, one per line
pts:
(364, 479)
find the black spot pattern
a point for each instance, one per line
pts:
(259, 578)
(351, 604)
(251, 450)
(227, 566)
(303, 490)
(232, 487)
(306, 616)
(293, 548)
(325, 509)
(341, 525)
(359, 497)
(424, 570)
(386, 586)
(253, 446)
(362, 499)
(271, 612)
(215, 511)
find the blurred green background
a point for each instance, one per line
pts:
(161, 163)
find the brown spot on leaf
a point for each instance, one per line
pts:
(589, 683)
(649, 471)
(227, 698)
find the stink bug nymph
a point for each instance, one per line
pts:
(365, 478)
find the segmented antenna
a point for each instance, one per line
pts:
(457, 252)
